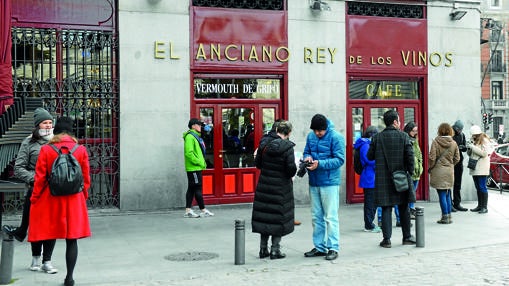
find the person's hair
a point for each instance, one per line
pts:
(445, 130)
(57, 138)
(479, 138)
(275, 124)
(390, 116)
(35, 135)
(284, 127)
(370, 132)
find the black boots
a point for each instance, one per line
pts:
(484, 203)
(478, 208)
(276, 254)
(264, 252)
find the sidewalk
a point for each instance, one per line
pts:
(130, 248)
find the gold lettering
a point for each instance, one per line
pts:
(172, 57)
(448, 58)
(435, 55)
(266, 53)
(200, 53)
(308, 55)
(253, 54)
(287, 54)
(405, 56)
(389, 61)
(389, 90)
(423, 59)
(215, 50)
(332, 53)
(227, 55)
(242, 53)
(158, 53)
(397, 90)
(320, 57)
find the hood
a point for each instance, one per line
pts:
(360, 142)
(278, 146)
(189, 131)
(444, 141)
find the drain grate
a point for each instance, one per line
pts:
(191, 256)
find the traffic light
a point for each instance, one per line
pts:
(485, 118)
(490, 118)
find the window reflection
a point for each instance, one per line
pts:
(238, 137)
(383, 89)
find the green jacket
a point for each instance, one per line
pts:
(417, 159)
(193, 154)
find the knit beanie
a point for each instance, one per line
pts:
(64, 124)
(458, 125)
(409, 126)
(41, 114)
(318, 122)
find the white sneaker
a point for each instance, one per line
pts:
(191, 214)
(206, 213)
(36, 263)
(48, 268)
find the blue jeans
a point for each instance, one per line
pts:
(324, 213)
(480, 183)
(444, 198)
(412, 205)
(369, 208)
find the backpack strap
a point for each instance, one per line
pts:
(55, 148)
(59, 151)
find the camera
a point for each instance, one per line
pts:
(303, 168)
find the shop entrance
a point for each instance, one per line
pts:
(363, 113)
(236, 112)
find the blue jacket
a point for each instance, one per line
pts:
(330, 153)
(367, 178)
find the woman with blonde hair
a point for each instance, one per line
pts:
(443, 155)
(479, 149)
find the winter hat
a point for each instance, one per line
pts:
(64, 124)
(41, 114)
(409, 126)
(318, 122)
(370, 132)
(458, 125)
(475, 130)
(194, 121)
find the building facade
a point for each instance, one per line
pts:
(239, 65)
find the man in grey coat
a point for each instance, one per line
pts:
(393, 147)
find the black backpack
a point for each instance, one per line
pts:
(66, 177)
(357, 164)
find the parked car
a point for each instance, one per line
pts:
(499, 166)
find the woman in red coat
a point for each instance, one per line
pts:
(60, 217)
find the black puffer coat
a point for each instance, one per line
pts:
(273, 206)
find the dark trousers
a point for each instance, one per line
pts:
(71, 256)
(23, 227)
(45, 247)
(264, 241)
(404, 216)
(369, 208)
(194, 189)
(456, 192)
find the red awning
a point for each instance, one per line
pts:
(6, 96)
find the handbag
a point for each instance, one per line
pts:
(472, 163)
(401, 179)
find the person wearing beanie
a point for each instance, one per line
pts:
(386, 195)
(24, 170)
(461, 141)
(194, 156)
(68, 218)
(367, 178)
(325, 154)
(478, 149)
(412, 131)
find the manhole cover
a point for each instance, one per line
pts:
(191, 256)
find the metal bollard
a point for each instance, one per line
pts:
(6, 259)
(240, 242)
(419, 226)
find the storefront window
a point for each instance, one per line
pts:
(383, 89)
(243, 88)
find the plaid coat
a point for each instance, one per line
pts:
(400, 155)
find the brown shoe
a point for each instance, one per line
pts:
(296, 222)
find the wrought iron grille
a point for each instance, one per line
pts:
(385, 10)
(74, 73)
(243, 4)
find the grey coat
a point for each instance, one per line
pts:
(400, 156)
(24, 167)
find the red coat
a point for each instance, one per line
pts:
(54, 217)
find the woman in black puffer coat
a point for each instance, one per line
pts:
(273, 206)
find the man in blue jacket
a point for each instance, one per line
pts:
(325, 152)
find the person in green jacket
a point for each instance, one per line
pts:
(194, 154)
(411, 130)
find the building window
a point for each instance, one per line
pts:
(385, 10)
(496, 90)
(495, 4)
(240, 4)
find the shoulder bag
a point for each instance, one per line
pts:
(401, 179)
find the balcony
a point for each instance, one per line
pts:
(496, 104)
